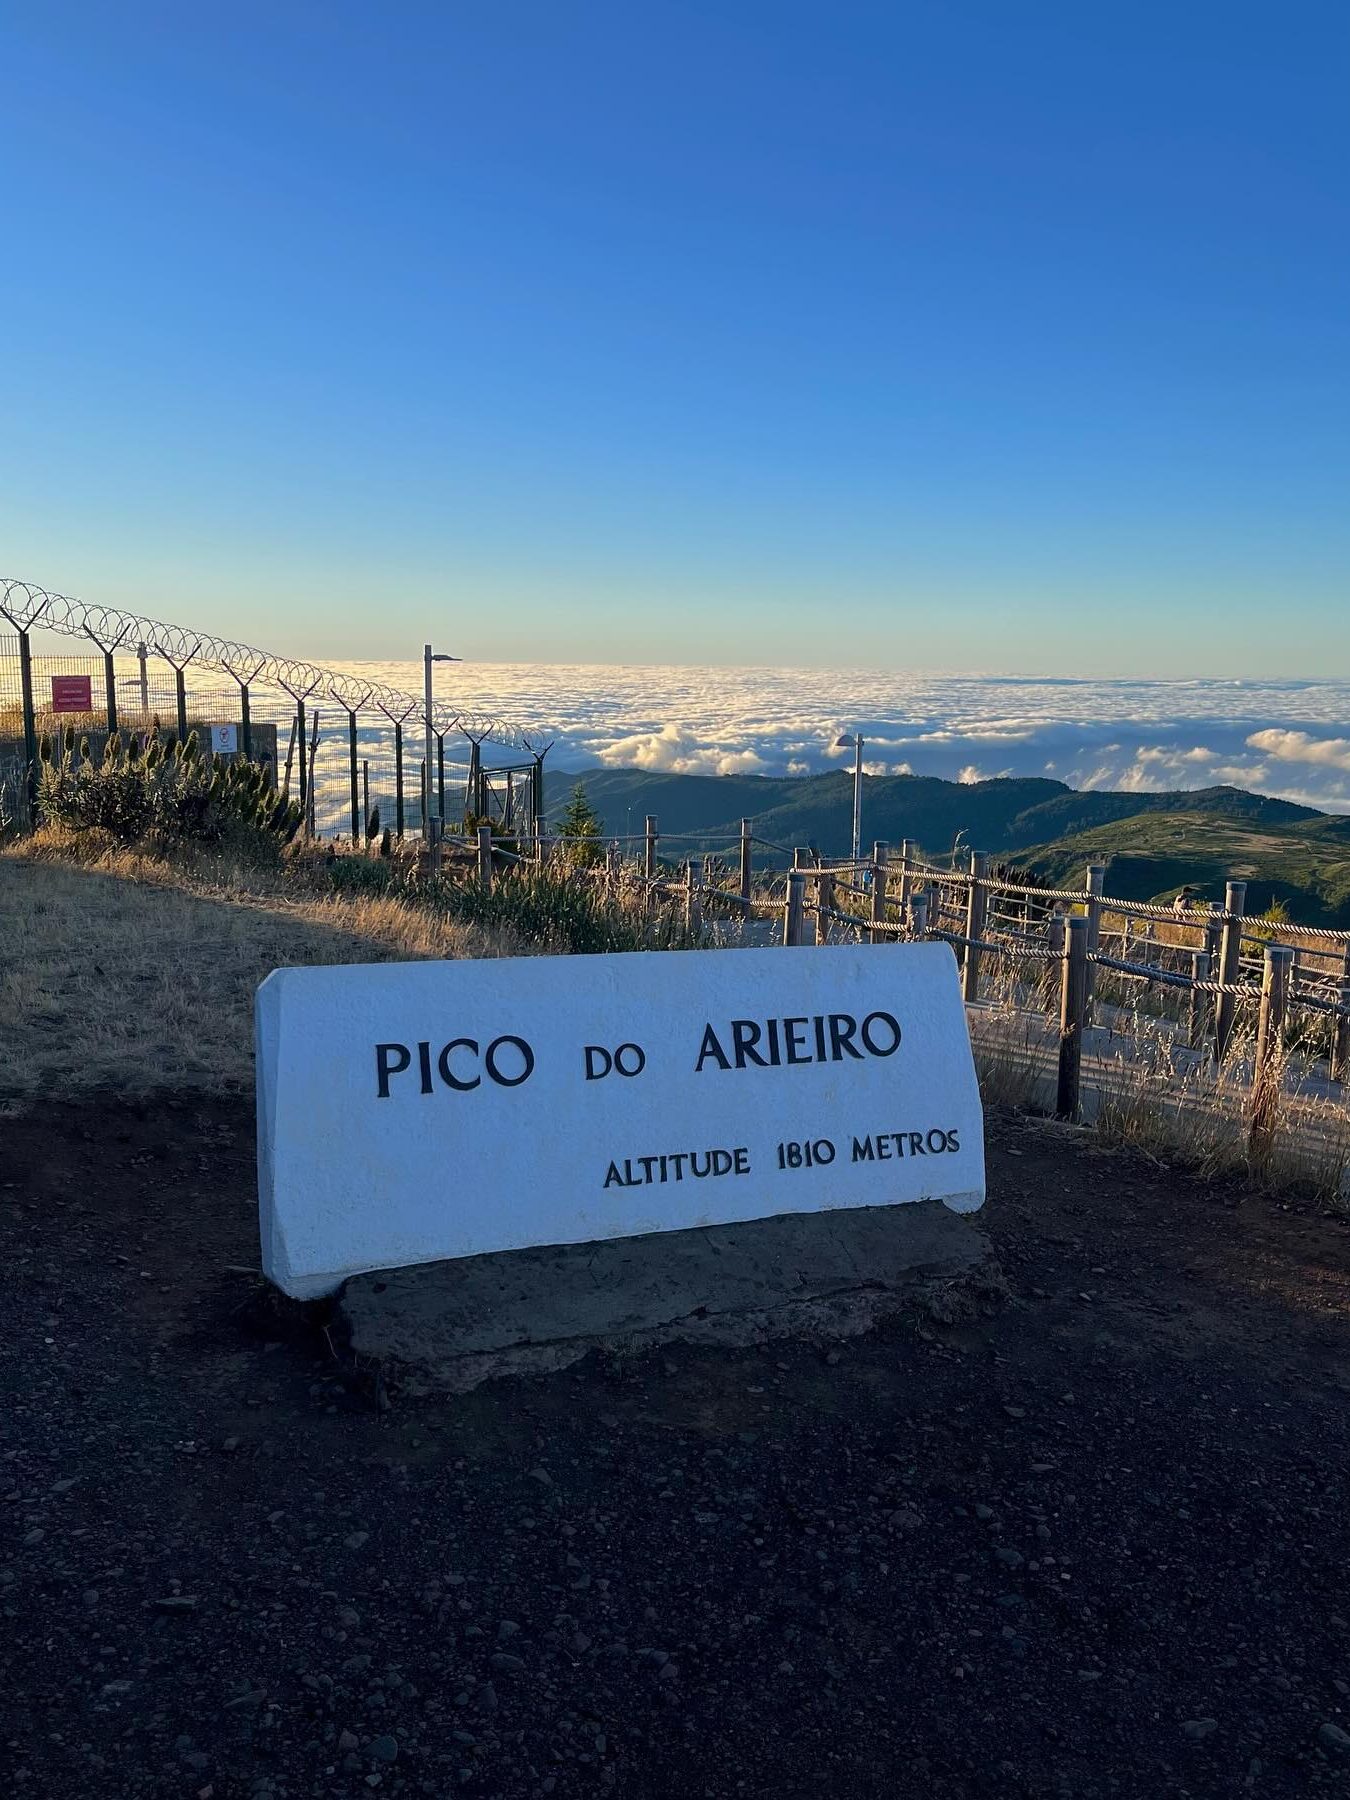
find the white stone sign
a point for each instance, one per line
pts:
(409, 1112)
(224, 740)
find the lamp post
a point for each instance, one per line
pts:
(429, 657)
(853, 741)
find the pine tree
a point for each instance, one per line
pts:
(582, 826)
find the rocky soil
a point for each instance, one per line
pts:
(1091, 1541)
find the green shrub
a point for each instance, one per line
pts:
(163, 794)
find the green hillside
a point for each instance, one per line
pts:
(1154, 843)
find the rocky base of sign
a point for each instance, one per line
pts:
(448, 1326)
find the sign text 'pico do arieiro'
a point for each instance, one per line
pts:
(418, 1111)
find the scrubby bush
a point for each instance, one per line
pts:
(162, 793)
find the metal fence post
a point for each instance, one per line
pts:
(879, 879)
(918, 913)
(1072, 1018)
(794, 908)
(649, 848)
(356, 790)
(30, 743)
(110, 689)
(303, 767)
(245, 723)
(365, 793)
(1051, 981)
(747, 846)
(1230, 965)
(398, 778)
(435, 843)
(485, 858)
(180, 696)
(1268, 1076)
(977, 896)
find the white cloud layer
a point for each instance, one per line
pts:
(1280, 737)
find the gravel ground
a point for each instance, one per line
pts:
(1093, 1543)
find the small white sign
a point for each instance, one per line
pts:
(409, 1112)
(224, 740)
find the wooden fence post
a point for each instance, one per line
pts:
(649, 849)
(1340, 1027)
(977, 899)
(1230, 965)
(1093, 886)
(906, 874)
(1052, 979)
(880, 877)
(746, 847)
(1200, 1011)
(1072, 1018)
(824, 905)
(794, 908)
(918, 913)
(1268, 1077)
(693, 901)
(485, 858)
(611, 869)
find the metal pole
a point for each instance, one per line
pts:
(918, 913)
(649, 849)
(110, 688)
(398, 778)
(485, 858)
(180, 691)
(304, 767)
(857, 798)
(440, 776)
(356, 791)
(141, 657)
(245, 723)
(747, 849)
(906, 872)
(30, 743)
(427, 765)
(365, 793)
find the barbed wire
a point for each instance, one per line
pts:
(28, 606)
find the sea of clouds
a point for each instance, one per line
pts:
(1289, 738)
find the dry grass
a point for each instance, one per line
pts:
(119, 971)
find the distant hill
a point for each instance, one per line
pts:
(1153, 842)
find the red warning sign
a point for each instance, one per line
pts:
(72, 694)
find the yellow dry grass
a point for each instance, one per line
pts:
(120, 972)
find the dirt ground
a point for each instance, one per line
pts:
(1092, 1544)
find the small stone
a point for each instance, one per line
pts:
(509, 1664)
(1011, 1559)
(33, 1538)
(1016, 1412)
(348, 1741)
(230, 1443)
(348, 1618)
(176, 1603)
(355, 1539)
(984, 1512)
(1199, 1729)
(383, 1749)
(64, 1487)
(542, 1476)
(508, 1629)
(1331, 1737)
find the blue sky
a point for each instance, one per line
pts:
(914, 335)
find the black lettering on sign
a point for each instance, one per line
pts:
(526, 1056)
(448, 1076)
(384, 1067)
(710, 1047)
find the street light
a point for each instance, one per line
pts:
(428, 657)
(854, 743)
